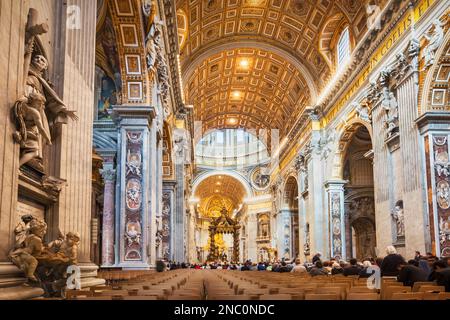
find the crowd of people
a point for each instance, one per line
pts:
(420, 268)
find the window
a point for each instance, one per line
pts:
(343, 47)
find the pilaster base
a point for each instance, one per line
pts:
(89, 276)
(12, 284)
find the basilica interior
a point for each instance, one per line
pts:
(145, 135)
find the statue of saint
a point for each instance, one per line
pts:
(399, 218)
(35, 110)
(434, 41)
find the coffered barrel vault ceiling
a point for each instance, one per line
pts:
(273, 90)
(247, 88)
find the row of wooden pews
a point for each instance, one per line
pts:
(254, 285)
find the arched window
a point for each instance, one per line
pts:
(343, 48)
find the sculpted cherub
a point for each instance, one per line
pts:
(21, 230)
(26, 258)
(70, 247)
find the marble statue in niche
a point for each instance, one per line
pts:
(39, 108)
(181, 146)
(306, 246)
(157, 63)
(43, 265)
(399, 218)
(434, 38)
(390, 106)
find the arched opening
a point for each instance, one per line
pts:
(359, 195)
(290, 221)
(218, 197)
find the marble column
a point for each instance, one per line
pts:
(435, 129)
(109, 177)
(335, 191)
(302, 185)
(252, 227)
(179, 221)
(134, 219)
(285, 235)
(318, 216)
(167, 219)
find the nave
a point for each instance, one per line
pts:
(189, 284)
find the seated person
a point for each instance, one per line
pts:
(298, 267)
(365, 270)
(284, 267)
(336, 269)
(410, 273)
(353, 269)
(318, 269)
(391, 263)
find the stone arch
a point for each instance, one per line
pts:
(329, 36)
(353, 164)
(201, 177)
(345, 137)
(436, 89)
(183, 29)
(290, 219)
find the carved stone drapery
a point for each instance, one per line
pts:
(399, 219)
(434, 36)
(39, 108)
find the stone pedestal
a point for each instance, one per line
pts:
(12, 284)
(89, 275)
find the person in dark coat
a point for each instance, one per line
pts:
(318, 269)
(410, 273)
(353, 269)
(316, 257)
(443, 278)
(284, 267)
(391, 263)
(336, 269)
(364, 271)
(437, 266)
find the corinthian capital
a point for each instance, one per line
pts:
(108, 174)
